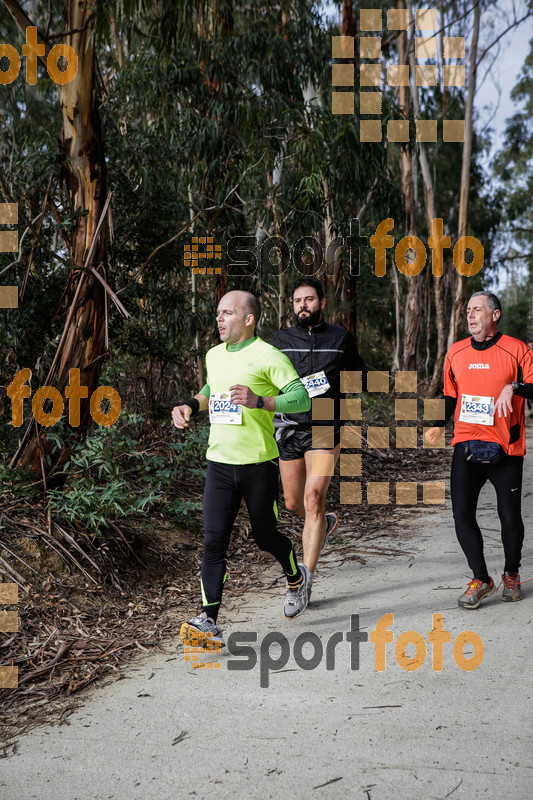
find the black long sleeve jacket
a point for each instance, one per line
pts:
(325, 347)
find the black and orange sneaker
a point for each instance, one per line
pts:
(511, 587)
(475, 593)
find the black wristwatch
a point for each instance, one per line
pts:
(516, 386)
(260, 402)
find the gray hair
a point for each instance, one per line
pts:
(492, 301)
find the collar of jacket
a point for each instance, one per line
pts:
(488, 343)
(319, 326)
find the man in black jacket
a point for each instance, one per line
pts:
(319, 352)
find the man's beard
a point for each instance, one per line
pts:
(310, 319)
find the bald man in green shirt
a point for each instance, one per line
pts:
(247, 381)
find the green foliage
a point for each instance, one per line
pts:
(113, 474)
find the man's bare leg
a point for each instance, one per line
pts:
(305, 494)
(316, 488)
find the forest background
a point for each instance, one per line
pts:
(214, 118)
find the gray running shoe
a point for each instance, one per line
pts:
(475, 593)
(511, 587)
(332, 521)
(297, 599)
(203, 631)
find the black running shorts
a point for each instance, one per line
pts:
(295, 442)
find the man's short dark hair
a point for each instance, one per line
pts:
(312, 282)
(492, 301)
(253, 306)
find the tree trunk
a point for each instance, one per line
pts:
(438, 288)
(460, 292)
(348, 27)
(412, 303)
(83, 342)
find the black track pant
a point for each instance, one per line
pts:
(226, 485)
(467, 480)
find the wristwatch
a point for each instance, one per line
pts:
(516, 386)
(260, 402)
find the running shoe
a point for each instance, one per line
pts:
(511, 587)
(332, 521)
(475, 593)
(203, 631)
(297, 599)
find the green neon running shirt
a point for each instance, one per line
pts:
(265, 370)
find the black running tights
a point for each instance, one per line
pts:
(467, 480)
(226, 485)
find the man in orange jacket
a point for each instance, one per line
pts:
(486, 378)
